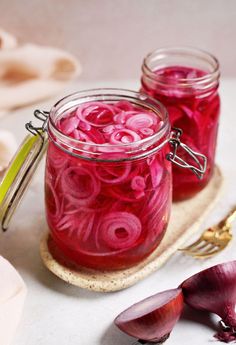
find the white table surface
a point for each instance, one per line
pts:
(56, 313)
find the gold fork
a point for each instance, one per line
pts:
(214, 239)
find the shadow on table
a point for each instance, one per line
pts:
(206, 319)
(113, 336)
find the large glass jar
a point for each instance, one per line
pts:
(107, 205)
(108, 183)
(186, 81)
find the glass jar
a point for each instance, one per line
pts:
(186, 81)
(107, 203)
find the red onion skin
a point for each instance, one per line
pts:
(214, 290)
(155, 326)
(225, 336)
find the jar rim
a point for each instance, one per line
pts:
(108, 94)
(181, 51)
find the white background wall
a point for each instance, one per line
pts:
(111, 37)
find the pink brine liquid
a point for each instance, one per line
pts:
(193, 110)
(107, 213)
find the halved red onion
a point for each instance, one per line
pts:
(152, 319)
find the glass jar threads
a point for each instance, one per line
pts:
(186, 81)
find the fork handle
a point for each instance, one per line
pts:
(227, 221)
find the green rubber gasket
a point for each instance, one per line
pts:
(15, 165)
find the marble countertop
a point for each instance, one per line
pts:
(56, 313)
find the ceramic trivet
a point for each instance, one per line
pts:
(186, 217)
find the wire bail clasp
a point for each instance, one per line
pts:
(43, 117)
(199, 158)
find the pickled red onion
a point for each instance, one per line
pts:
(119, 194)
(146, 131)
(105, 202)
(124, 136)
(96, 114)
(85, 226)
(155, 170)
(107, 254)
(124, 105)
(68, 125)
(105, 123)
(138, 183)
(54, 205)
(109, 129)
(141, 120)
(123, 116)
(79, 185)
(112, 176)
(120, 230)
(78, 224)
(84, 126)
(66, 222)
(56, 157)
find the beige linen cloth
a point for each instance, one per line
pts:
(28, 74)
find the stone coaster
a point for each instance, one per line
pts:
(186, 217)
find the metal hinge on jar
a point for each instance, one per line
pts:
(42, 116)
(200, 159)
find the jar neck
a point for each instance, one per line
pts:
(181, 57)
(108, 152)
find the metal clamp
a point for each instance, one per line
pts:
(199, 158)
(42, 116)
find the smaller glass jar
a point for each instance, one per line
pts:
(186, 81)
